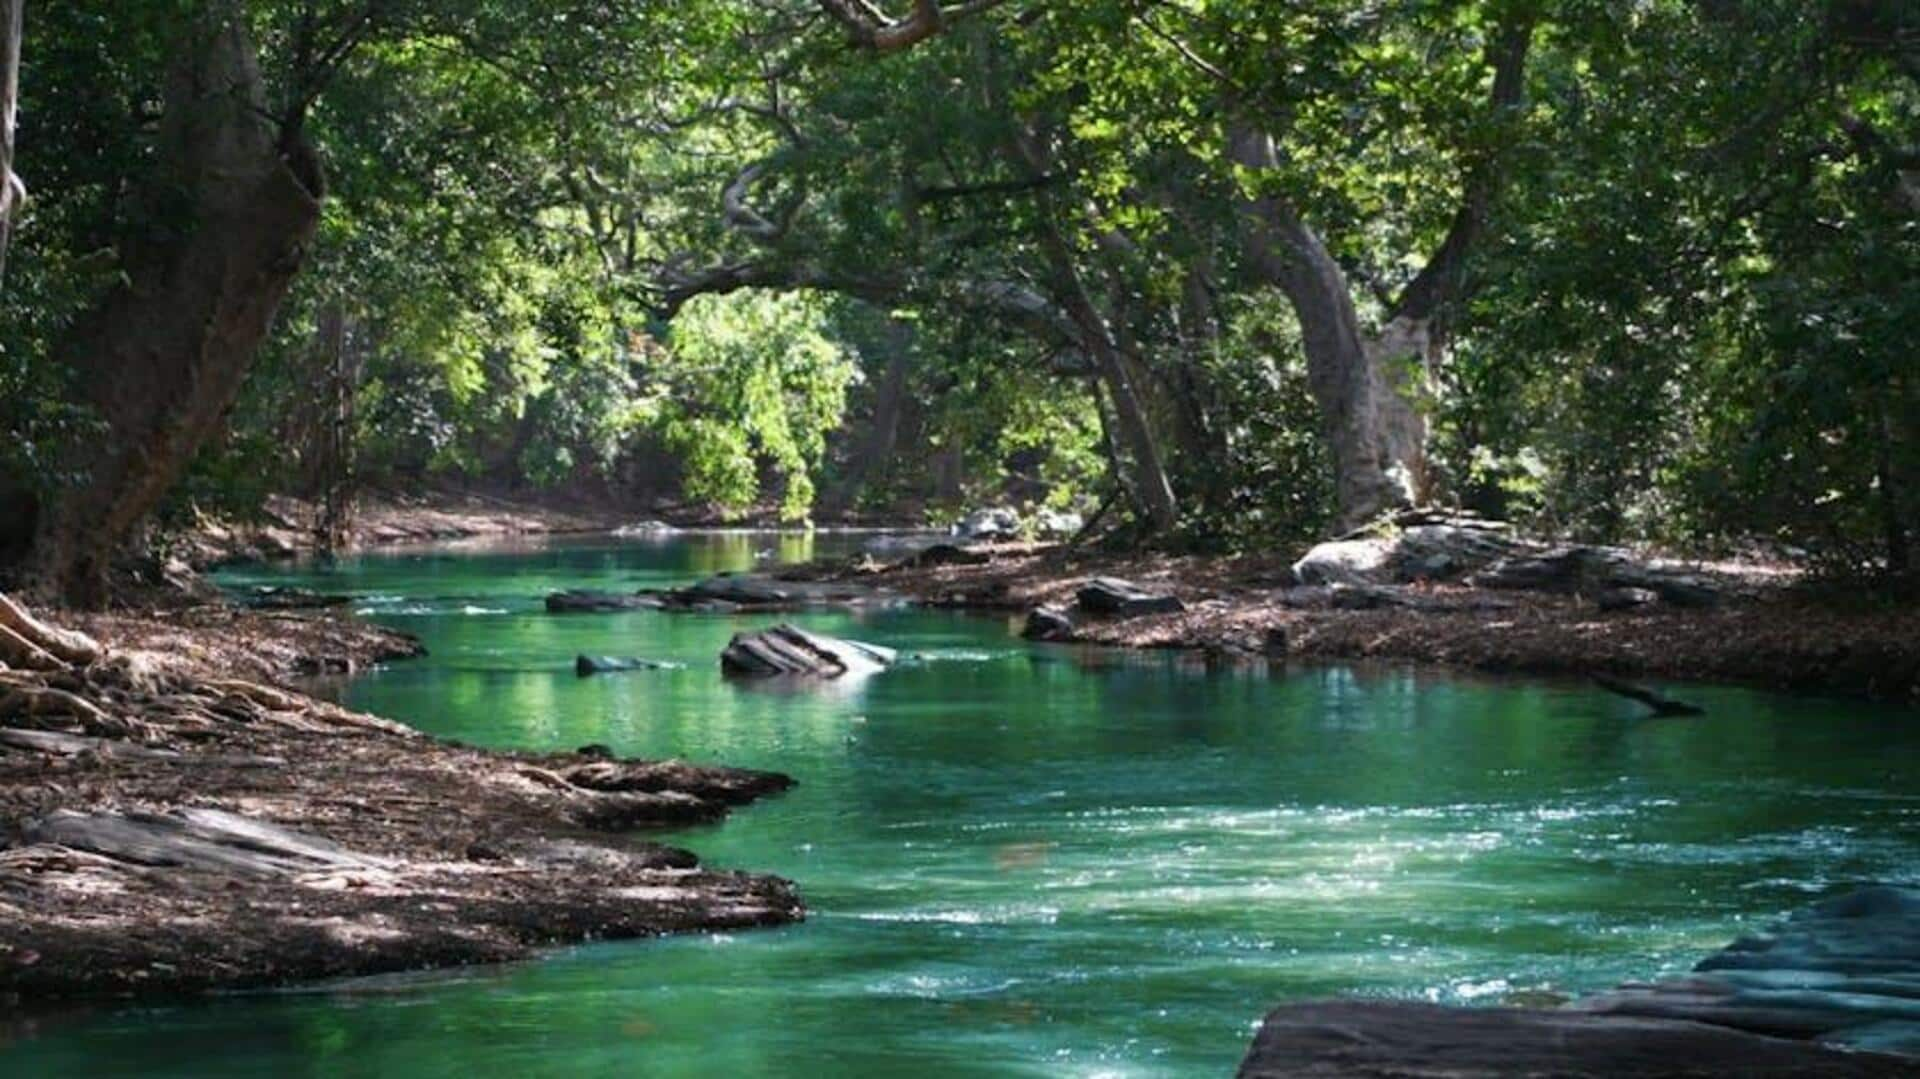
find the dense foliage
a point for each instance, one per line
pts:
(1663, 257)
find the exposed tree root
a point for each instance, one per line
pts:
(164, 831)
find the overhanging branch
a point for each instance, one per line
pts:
(872, 28)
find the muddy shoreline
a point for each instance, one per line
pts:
(166, 827)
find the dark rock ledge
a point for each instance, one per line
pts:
(1833, 990)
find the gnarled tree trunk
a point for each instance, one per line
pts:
(1373, 434)
(162, 356)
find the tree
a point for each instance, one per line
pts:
(12, 27)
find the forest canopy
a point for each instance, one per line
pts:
(1246, 273)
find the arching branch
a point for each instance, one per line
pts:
(1438, 282)
(872, 28)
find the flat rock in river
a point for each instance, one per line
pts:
(1845, 970)
(576, 600)
(585, 665)
(787, 650)
(1404, 1038)
(753, 592)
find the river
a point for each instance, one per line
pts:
(1029, 860)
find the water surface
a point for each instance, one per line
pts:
(1036, 861)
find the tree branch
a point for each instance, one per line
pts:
(872, 29)
(1438, 282)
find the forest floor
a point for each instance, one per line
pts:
(1772, 629)
(168, 827)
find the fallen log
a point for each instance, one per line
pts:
(1661, 704)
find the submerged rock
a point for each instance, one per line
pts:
(1408, 1039)
(787, 650)
(1112, 597)
(1845, 970)
(585, 665)
(728, 593)
(292, 599)
(753, 592)
(580, 600)
(1047, 624)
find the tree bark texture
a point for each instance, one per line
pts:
(163, 354)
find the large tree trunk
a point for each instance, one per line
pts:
(1373, 432)
(163, 354)
(1150, 483)
(12, 24)
(883, 428)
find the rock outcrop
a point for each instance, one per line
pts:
(1047, 624)
(585, 665)
(730, 593)
(1424, 546)
(577, 601)
(1846, 970)
(789, 651)
(1834, 990)
(1111, 597)
(1408, 1040)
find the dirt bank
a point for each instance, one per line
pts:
(284, 526)
(164, 828)
(1768, 631)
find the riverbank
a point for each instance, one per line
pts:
(284, 526)
(166, 827)
(1765, 627)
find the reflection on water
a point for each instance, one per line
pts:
(1046, 862)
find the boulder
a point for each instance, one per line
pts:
(787, 650)
(1675, 588)
(1112, 597)
(1047, 624)
(1436, 549)
(585, 665)
(1558, 569)
(1446, 552)
(997, 523)
(1058, 524)
(1580, 569)
(1419, 1040)
(1355, 561)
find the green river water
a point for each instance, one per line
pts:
(1035, 861)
